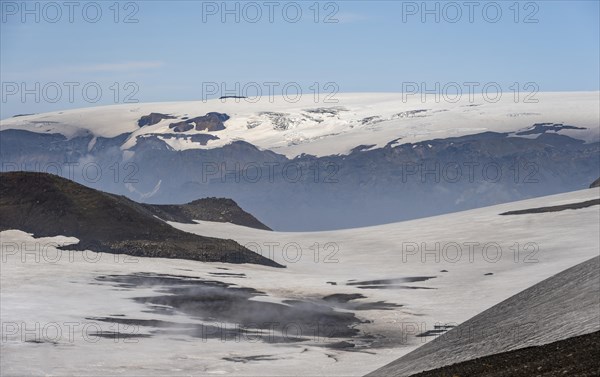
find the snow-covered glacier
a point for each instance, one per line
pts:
(365, 159)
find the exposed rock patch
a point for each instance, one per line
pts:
(153, 118)
(585, 204)
(208, 209)
(212, 121)
(540, 128)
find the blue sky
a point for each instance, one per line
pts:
(175, 48)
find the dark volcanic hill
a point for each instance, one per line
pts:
(561, 307)
(569, 357)
(208, 209)
(48, 205)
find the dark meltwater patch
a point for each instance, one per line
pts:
(437, 330)
(410, 279)
(157, 309)
(343, 297)
(231, 312)
(395, 283)
(227, 274)
(346, 301)
(118, 335)
(245, 359)
(39, 341)
(221, 331)
(392, 286)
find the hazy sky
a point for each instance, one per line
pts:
(171, 51)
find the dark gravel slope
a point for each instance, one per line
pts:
(563, 306)
(569, 357)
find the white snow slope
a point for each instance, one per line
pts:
(521, 250)
(329, 128)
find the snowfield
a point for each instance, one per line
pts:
(328, 128)
(415, 264)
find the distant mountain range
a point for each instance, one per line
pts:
(367, 159)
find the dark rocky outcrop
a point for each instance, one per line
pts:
(541, 128)
(596, 183)
(234, 97)
(181, 126)
(202, 138)
(48, 205)
(208, 209)
(585, 204)
(153, 118)
(212, 121)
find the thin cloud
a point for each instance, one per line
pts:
(120, 67)
(56, 72)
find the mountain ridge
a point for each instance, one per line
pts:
(310, 127)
